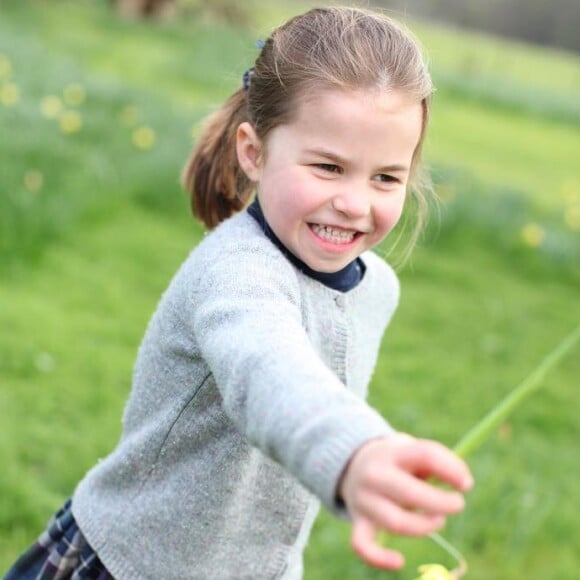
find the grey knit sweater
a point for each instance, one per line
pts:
(247, 403)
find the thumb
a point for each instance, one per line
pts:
(365, 545)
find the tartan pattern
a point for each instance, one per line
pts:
(60, 553)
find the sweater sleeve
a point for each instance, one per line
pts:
(247, 321)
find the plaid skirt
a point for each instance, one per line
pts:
(60, 553)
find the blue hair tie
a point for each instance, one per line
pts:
(247, 78)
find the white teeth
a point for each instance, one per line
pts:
(333, 235)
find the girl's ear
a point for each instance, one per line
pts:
(249, 149)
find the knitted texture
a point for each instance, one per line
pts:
(247, 403)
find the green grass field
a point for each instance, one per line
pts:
(93, 225)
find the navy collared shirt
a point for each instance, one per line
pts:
(343, 280)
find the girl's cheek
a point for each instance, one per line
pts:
(390, 215)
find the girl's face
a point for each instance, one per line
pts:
(332, 182)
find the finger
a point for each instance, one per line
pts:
(407, 490)
(365, 545)
(386, 515)
(431, 459)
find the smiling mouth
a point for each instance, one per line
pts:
(334, 234)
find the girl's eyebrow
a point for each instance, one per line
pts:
(395, 168)
(328, 155)
(336, 158)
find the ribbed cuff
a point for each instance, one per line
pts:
(333, 455)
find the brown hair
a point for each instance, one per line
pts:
(325, 48)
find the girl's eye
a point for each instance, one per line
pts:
(384, 178)
(328, 167)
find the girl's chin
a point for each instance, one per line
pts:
(328, 264)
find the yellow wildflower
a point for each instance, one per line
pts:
(446, 193)
(571, 191)
(533, 235)
(9, 94)
(572, 217)
(51, 106)
(196, 131)
(70, 122)
(74, 94)
(505, 432)
(144, 137)
(5, 67)
(33, 180)
(434, 572)
(129, 116)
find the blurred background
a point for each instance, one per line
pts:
(550, 24)
(100, 104)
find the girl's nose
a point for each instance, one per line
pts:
(353, 204)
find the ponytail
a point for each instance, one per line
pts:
(212, 176)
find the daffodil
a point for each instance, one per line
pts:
(9, 94)
(129, 116)
(74, 94)
(446, 193)
(5, 67)
(572, 217)
(505, 432)
(571, 191)
(144, 137)
(33, 180)
(434, 572)
(51, 106)
(533, 235)
(194, 133)
(70, 122)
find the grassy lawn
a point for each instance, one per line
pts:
(93, 225)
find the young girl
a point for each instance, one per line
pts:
(247, 407)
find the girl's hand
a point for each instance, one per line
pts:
(385, 487)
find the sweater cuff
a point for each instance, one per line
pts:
(334, 457)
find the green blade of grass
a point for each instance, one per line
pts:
(482, 430)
